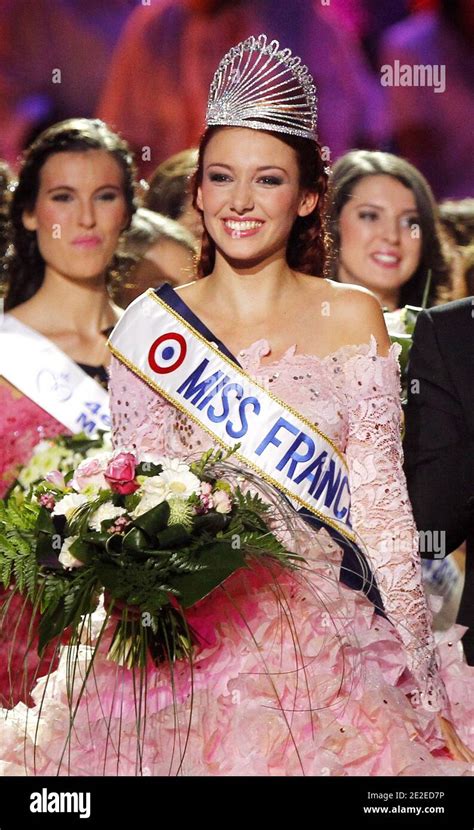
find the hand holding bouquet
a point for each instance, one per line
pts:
(155, 535)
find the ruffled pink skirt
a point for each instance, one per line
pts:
(295, 675)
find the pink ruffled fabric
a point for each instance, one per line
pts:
(295, 673)
(23, 425)
(282, 685)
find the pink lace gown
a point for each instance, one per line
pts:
(23, 424)
(296, 673)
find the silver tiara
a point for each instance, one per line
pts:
(261, 86)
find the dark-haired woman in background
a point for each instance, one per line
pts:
(388, 238)
(75, 196)
(159, 250)
(170, 193)
(457, 218)
(385, 226)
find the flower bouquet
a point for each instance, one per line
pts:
(400, 326)
(63, 453)
(154, 536)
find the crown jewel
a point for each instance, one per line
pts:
(261, 86)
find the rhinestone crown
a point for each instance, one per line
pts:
(261, 86)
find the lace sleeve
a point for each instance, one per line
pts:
(382, 516)
(137, 412)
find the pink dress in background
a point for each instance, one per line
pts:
(23, 424)
(296, 673)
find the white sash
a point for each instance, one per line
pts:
(282, 446)
(42, 372)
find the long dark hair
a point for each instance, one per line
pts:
(7, 186)
(306, 249)
(354, 166)
(169, 184)
(25, 265)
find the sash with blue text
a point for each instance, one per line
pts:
(163, 342)
(46, 375)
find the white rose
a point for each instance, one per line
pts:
(153, 485)
(395, 322)
(153, 491)
(65, 557)
(148, 502)
(104, 512)
(68, 504)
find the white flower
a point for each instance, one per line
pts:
(176, 481)
(155, 486)
(395, 321)
(104, 512)
(153, 491)
(222, 501)
(144, 505)
(47, 457)
(68, 504)
(179, 479)
(65, 557)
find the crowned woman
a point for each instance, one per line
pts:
(325, 669)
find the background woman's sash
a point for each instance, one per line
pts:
(46, 375)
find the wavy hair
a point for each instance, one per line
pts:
(356, 165)
(306, 248)
(25, 266)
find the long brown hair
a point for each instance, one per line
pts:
(306, 249)
(169, 184)
(354, 166)
(25, 266)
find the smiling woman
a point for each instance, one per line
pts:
(251, 198)
(326, 668)
(386, 230)
(288, 192)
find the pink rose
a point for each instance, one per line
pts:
(205, 498)
(222, 502)
(47, 500)
(56, 478)
(90, 473)
(120, 474)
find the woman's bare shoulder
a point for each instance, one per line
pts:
(356, 314)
